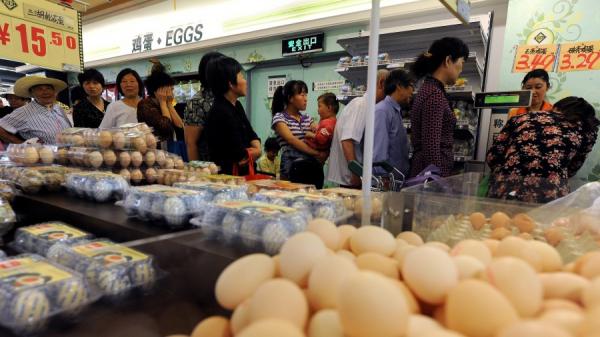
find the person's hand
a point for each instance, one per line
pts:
(322, 156)
(355, 181)
(309, 134)
(314, 128)
(161, 94)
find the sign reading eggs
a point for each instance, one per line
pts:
(41, 33)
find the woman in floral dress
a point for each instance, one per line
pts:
(536, 153)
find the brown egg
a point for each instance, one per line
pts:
(326, 278)
(110, 158)
(150, 158)
(400, 254)
(430, 273)
(151, 141)
(326, 230)
(525, 292)
(240, 318)
(468, 266)
(124, 159)
(139, 143)
(591, 294)
(125, 174)
(95, 158)
(500, 219)
(160, 157)
(136, 159)
(478, 220)
(524, 223)
(46, 155)
(492, 245)
(532, 329)
(118, 139)
(178, 164)
(372, 239)
(500, 233)
(560, 304)
(411, 238)
(105, 139)
(345, 232)
(591, 323)
(588, 265)
(474, 248)
(279, 299)
(371, 305)
(442, 333)
(77, 140)
(526, 236)
(136, 176)
(383, 265)
(551, 260)
(567, 320)
(519, 248)
(438, 245)
(272, 328)
(151, 175)
(439, 314)
(563, 285)
(325, 323)
(215, 326)
(419, 325)
(477, 309)
(169, 163)
(298, 256)
(62, 156)
(242, 277)
(554, 235)
(346, 254)
(413, 305)
(30, 155)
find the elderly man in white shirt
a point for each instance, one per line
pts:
(349, 132)
(43, 118)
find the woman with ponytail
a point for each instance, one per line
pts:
(536, 153)
(299, 162)
(431, 117)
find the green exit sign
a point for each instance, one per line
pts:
(302, 44)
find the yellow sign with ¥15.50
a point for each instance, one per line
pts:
(40, 33)
(579, 56)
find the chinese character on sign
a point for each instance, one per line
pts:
(299, 44)
(498, 123)
(306, 42)
(137, 44)
(10, 4)
(313, 40)
(292, 45)
(148, 38)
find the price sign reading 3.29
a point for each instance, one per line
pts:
(579, 56)
(529, 57)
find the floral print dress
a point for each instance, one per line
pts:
(534, 156)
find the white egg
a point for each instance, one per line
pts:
(30, 309)
(175, 211)
(114, 281)
(72, 296)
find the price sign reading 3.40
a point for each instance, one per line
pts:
(529, 57)
(579, 56)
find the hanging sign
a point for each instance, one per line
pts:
(530, 57)
(579, 56)
(41, 33)
(273, 82)
(328, 85)
(303, 44)
(461, 9)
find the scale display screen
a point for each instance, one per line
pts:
(504, 99)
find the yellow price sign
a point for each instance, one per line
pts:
(40, 33)
(530, 57)
(579, 56)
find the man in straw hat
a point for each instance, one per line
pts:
(14, 102)
(42, 118)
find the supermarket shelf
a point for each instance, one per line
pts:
(345, 99)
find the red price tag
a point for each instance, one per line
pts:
(535, 57)
(579, 56)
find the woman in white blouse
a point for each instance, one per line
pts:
(124, 111)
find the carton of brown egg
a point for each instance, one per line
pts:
(279, 185)
(31, 154)
(353, 200)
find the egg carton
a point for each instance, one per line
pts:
(352, 200)
(169, 177)
(279, 185)
(40, 237)
(7, 190)
(205, 167)
(224, 179)
(218, 192)
(254, 225)
(34, 179)
(115, 270)
(7, 218)
(164, 205)
(97, 186)
(314, 205)
(119, 139)
(34, 290)
(31, 154)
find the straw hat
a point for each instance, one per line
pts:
(10, 92)
(23, 84)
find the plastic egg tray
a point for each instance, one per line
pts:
(40, 237)
(32, 179)
(254, 225)
(217, 192)
(224, 179)
(314, 205)
(7, 190)
(113, 268)
(31, 154)
(171, 176)
(205, 167)
(280, 185)
(97, 186)
(164, 205)
(7, 217)
(33, 290)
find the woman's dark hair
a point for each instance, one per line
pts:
(432, 59)
(202, 66)
(220, 72)
(77, 94)
(330, 100)
(537, 73)
(128, 71)
(396, 78)
(575, 109)
(271, 144)
(91, 74)
(282, 95)
(158, 78)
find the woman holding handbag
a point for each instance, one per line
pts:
(232, 142)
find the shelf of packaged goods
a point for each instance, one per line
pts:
(345, 99)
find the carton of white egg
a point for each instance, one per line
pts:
(164, 204)
(219, 192)
(33, 290)
(253, 225)
(317, 206)
(97, 186)
(114, 269)
(41, 237)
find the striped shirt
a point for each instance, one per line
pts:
(298, 128)
(35, 120)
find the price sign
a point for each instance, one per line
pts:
(531, 57)
(40, 33)
(579, 56)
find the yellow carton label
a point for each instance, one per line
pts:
(54, 231)
(110, 253)
(22, 273)
(263, 208)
